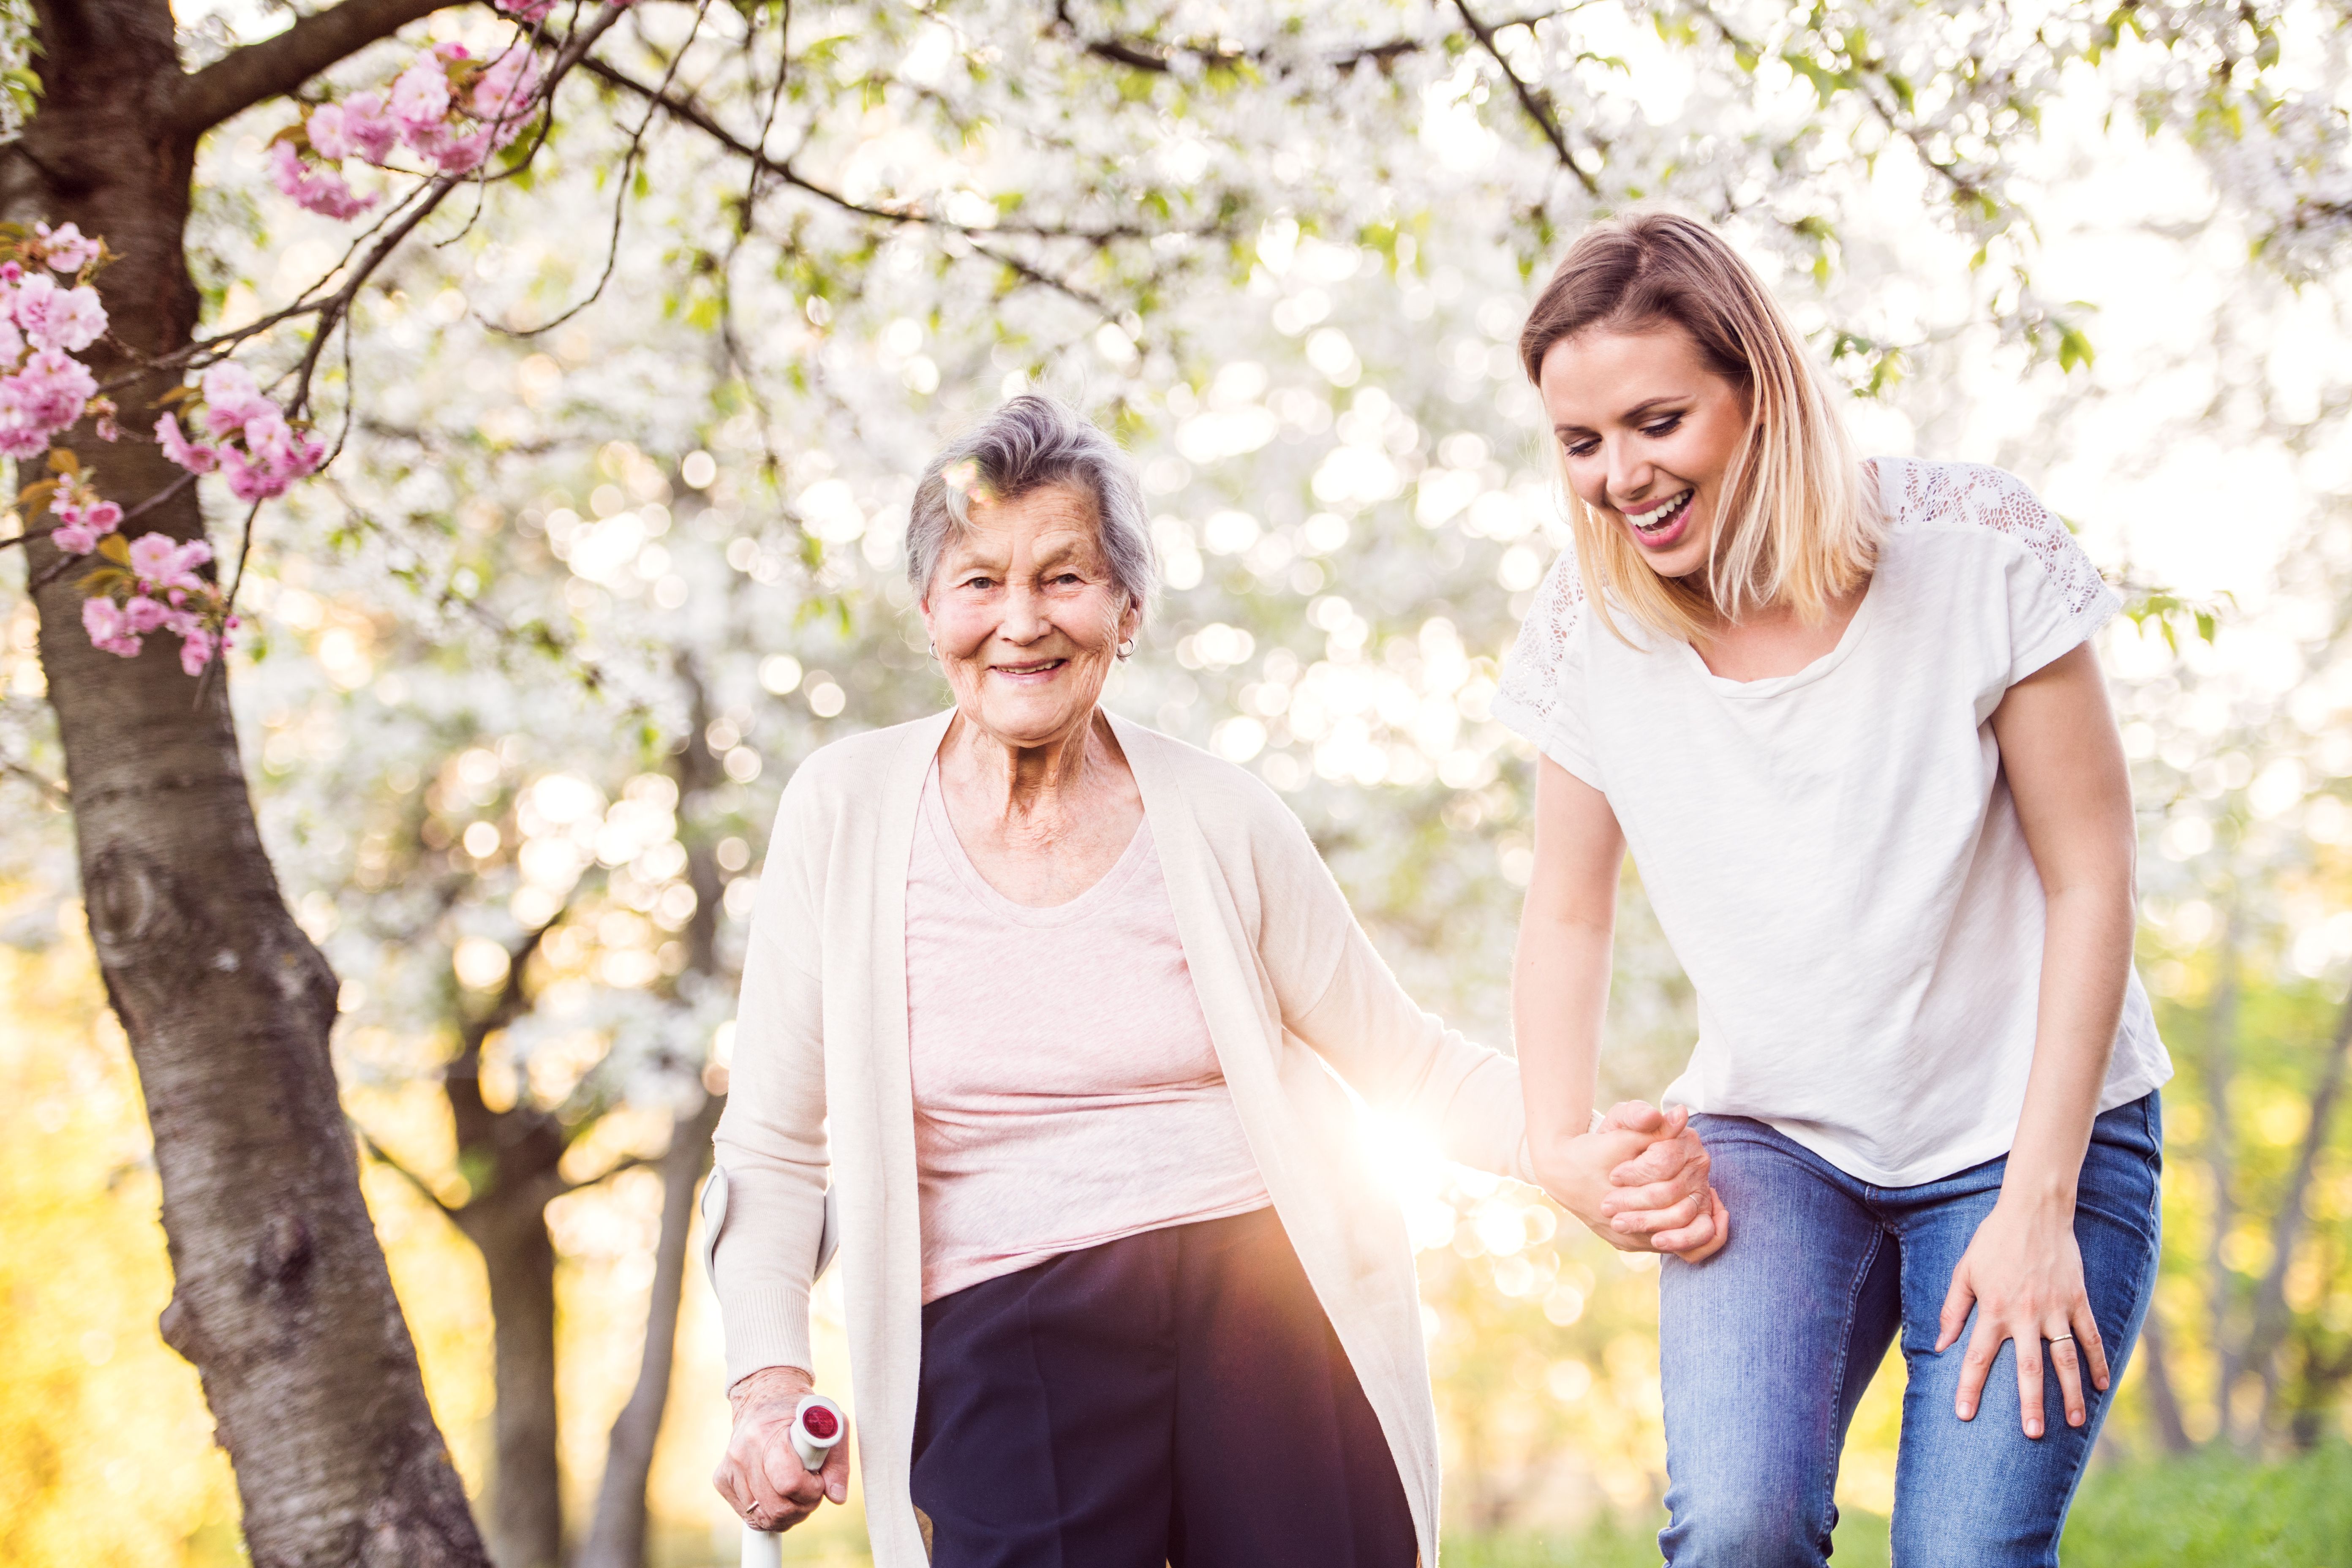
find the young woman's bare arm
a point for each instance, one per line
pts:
(1560, 993)
(2064, 762)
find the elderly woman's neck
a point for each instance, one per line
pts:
(1039, 784)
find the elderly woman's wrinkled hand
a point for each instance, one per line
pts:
(1639, 1180)
(761, 1477)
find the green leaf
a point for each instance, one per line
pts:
(2074, 350)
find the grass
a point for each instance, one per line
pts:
(2213, 1511)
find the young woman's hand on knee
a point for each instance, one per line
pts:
(761, 1477)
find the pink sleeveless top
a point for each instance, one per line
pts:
(1066, 1092)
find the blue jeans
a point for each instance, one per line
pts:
(1766, 1348)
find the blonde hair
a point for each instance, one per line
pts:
(1793, 522)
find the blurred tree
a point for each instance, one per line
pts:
(987, 190)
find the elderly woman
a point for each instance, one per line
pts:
(1062, 1008)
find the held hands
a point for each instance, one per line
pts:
(1638, 1182)
(2024, 1273)
(761, 1477)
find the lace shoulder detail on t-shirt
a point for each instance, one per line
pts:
(1997, 499)
(1530, 685)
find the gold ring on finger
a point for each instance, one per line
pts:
(2061, 1339)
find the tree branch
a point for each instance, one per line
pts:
(692, 113)
(42, 781)
(626, 1162)
(688, 112)
(1532, 99)
(280, 64)
(383, 1157)
(1151, 54)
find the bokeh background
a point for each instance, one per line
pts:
(531, 663)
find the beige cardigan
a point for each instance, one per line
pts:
(1296, 999)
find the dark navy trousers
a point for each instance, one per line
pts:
(1176, 1397)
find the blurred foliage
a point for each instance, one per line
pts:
(482, 644)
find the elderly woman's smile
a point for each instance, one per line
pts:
(1027, 614)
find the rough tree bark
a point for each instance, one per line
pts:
(281, 1295)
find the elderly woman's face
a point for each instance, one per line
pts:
(1026, 616)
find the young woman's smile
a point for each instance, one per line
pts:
(1646, 429)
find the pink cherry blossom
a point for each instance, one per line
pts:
(315, 186)
(420, 98)
(195, 457)
(82, 521)
(41, 399)
(453, 152)
(276, 454)
(66, 249)
(108, 627)
(195, 651)
(231, 399)
(12, 341)
(502, 95)
(58, 318)
(247, 480)
(356, 126)
(143, 614)
(160, 563)
(526, 10)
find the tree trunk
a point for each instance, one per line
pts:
(526, 1501)
(2218, 1058)
(280, 1296)
(2272, 1318)
(2156, 1357)
(616, 1539)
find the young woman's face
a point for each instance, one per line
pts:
(1647, 429)
(1026, 615)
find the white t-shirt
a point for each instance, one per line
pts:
(1834, 855)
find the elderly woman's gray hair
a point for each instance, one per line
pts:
(1030, 441)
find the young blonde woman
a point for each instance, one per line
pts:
(1848, 719)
